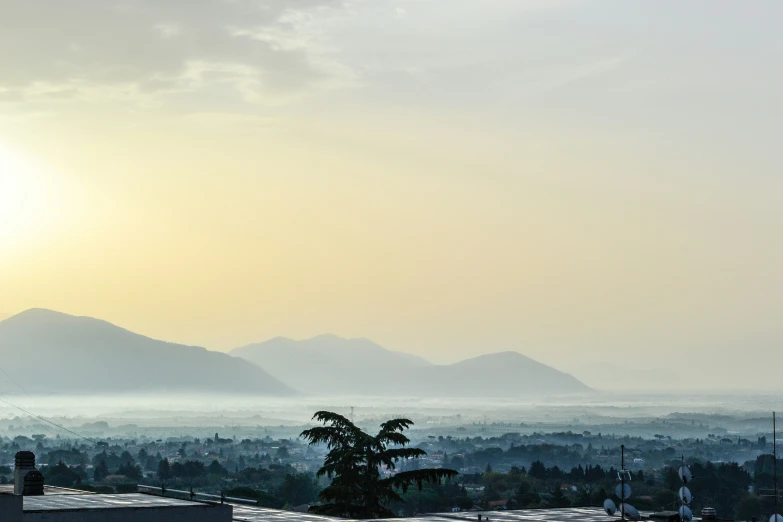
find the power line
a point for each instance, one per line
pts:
(33, 414)
(12, 380)
(44, 426)
(48, 421)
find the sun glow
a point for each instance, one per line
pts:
(23, 197)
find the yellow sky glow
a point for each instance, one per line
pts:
(446, 184)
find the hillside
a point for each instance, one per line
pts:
(51, 352)
(498, 375)
(331, 365)
(326, 363)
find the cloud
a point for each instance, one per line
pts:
(167, 30)
(151, 53)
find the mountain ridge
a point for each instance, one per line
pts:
(314, 366)
(48, 342)
(48, 345)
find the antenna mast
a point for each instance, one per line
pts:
(684, 493)
(684, 484)
(622, 481)
(775, 461)
(623, 492)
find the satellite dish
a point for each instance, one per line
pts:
(623, 491)
(686, 515)
(685, 495)
(776, 518)
(685, 474)
(631, 512)
(610, 507)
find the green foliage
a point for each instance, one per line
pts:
(127, 488)
(215, 468)
(101, 471)
(299, 488)
(558, 499)
(354, 463)
(63, 476)
(130, 470)
(282, 452)
(525, 497)
(68, 456)
(164, 469)
(188, 469)
(749, 508)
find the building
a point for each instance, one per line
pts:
(29, 500)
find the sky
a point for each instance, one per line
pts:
(588, 183)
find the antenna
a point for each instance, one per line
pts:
(776, 517)
(351, 414)
(623, 492)
(622, 482)
(686, 515)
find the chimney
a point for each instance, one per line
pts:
(24, 463)
(33, 484)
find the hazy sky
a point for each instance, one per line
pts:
(579, 181)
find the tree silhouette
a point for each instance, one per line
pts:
(354, 464)
(164, 469)
(101, 471)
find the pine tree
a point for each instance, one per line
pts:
(164, 469)
(101, 471)
(354, 462)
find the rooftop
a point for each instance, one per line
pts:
(8, 489)
(254, 514)
(70, 502)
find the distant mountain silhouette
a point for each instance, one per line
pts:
(415, 359)
(51, 352)
(328, 364)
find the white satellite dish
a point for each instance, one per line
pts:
(776, 518)
(686, 515)
(685, 495)
(685, 474)
(623, 491)
(631, 512)
(610, 507)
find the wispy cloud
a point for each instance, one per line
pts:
(145, 52)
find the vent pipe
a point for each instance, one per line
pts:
(24, 463)
(33, 484)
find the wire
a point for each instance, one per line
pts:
(48, 421)
(12, 380)
(44, 426)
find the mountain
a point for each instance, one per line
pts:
(415, 359)
(325, 362)
(51, 352)
(328, 364)
(499, 375)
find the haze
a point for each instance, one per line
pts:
(578, 181)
